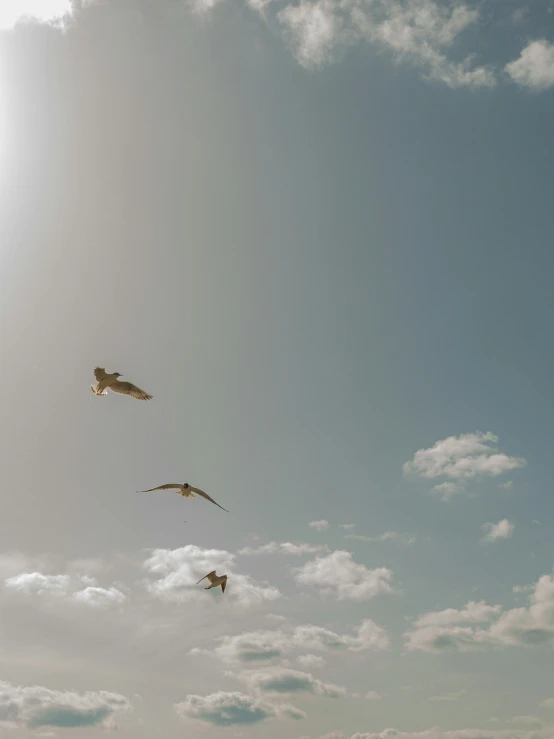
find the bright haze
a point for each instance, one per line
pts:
(319, 234)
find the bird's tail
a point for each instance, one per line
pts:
(94, 389)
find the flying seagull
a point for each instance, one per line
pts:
(215, 580)
(111, 382)
(186, 490)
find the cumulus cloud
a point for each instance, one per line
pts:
(52, 12)
(284, 547)
(339, 576)
(438, 733)
(534, 68)
(547, 703)
(36, 582)
(180, 569)
(461, 630)
(233, 709)
(284, 680)
(263, 646)
(373, 695)
(311, 661)
(501, 530)
(37, 707)
(100, 597)
(461, 458)
(321, 525)
(385, 536)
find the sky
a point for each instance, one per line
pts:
(320, 235)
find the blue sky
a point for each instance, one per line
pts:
(320, 235)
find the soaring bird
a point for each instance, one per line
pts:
(111, 382)
(215, 580)
(186, 490)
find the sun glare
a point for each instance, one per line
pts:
(42, 11)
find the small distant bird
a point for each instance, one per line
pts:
(215, 580)
(110, 382)
(186, 490)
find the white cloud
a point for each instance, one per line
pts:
(37, 707)
(180, 569)
(285, 547)
(525, 721)
(262, 646)
(535, 66)
(547, 703)
(314, 29)
(321, 525)
(311, 661)
(385, 536)
(233, 709)
(454, 696)
(460, 458)
(347, 526)
(459, 630)
(414, 30)
(472, 613)
(507, 485)
(53, 12)
(373, 695)
(438, 733)
(446, 490)
(338, 575)
(501, 530)
(36, 582)
(280, 680)
(100, 597)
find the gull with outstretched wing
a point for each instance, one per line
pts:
(186, 490)
(214, 580)
(105, 382)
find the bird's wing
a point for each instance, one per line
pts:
(205, 495)
(211, 577)
(127, 388)
(223, 584)
(99, 373)
(169, 486)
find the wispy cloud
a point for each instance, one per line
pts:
(495, 531)
(416, 31)
(284, 547)
(373, 695)
(385, 536)
(454, 696)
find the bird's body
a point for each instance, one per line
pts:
(105, 382)
(186, 490)
(215, 581)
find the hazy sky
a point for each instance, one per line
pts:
(320, 234)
